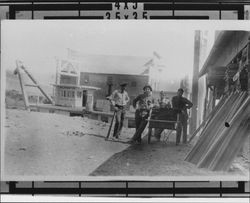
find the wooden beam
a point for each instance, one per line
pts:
(25, 98)
(217, 139)
(229, 140)
(248, 69)
(193, 119)
(208, 118)
(205, 101)
(213, 127)
(38, 86)
(30, 85)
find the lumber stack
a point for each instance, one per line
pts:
(218, 144)
(209, 117)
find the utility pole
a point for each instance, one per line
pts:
(193, 120)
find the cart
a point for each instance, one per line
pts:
(164, 118)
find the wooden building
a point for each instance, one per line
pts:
(107, 83)
(226, 125)
(68, 91)
(227, 67)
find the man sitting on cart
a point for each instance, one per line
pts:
(163, 103)
(181, 104)
(144, 103)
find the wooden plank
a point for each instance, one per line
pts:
(233, 140)
(210, 131)
(212, 147)
(30, 85)
(161, 121)
(191, 156)
(25, 98)
(208, 118)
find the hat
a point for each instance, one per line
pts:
(123, 84)
(147, 86)
(180, 89)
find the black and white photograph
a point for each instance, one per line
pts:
(125, 100)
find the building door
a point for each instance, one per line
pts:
(84, 98)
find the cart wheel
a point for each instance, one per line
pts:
(149, 135)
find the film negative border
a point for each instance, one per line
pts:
(129, 188)
(126, 9)
(132, 188)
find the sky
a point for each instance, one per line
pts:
(38, 42)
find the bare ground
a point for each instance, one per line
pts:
(56, 145)
(161, 159)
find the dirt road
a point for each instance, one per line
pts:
(55, 145)
(52, 145)
(157, 159)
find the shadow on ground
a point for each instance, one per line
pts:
(155, 159)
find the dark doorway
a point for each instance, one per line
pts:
(109, 89)
(84, 97)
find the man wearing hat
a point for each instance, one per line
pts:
(143, 102)
(181, 104)
(119, 99)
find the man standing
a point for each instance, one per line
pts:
(144, 103)
(119, 99)
(181, 104)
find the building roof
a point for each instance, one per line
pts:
(219, 44)
(77, 86)
(219, 56)
(116, 74)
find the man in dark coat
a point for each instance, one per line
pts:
(143, 103)
(181, 104)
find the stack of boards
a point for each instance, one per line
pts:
(223, 135)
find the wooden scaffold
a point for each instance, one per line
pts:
(19, 69)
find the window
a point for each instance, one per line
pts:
(69, 93)
(73, 94)
(86, 78)
(79, 94)
(64, 93)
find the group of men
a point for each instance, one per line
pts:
(143, 104)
